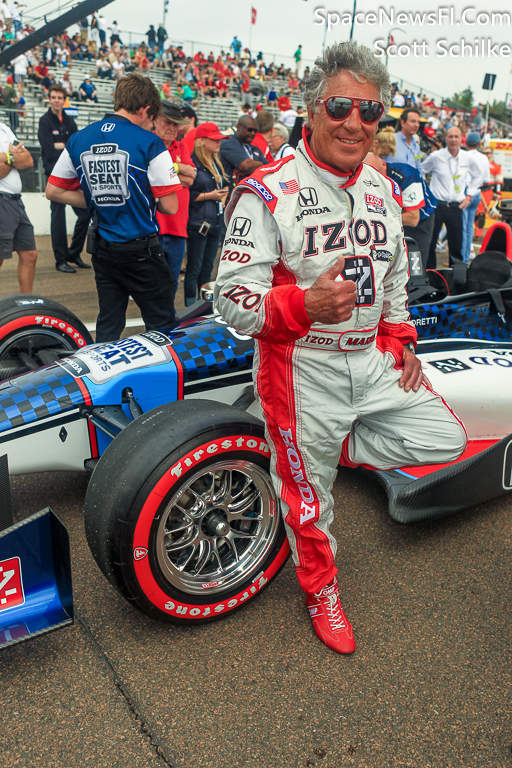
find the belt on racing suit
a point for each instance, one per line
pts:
(342, 341)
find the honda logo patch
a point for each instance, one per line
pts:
(308, 196)
(108, 127)
(241, 227)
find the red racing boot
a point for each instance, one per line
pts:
(329, 620)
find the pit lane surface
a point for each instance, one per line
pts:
(429, 685)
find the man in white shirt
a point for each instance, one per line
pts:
(20, 64)
(451, 183)
(481, 176)
(7, 14)
(16, 231)
(278, 142)
(288, 117)
(398, 100)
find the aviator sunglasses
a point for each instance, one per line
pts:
(340, 107)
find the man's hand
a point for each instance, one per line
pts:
(413, 375)
(464, 204)
(59, 144)
(328, 301)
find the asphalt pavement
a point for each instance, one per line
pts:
(429, 686)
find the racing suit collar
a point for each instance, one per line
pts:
(348, 179)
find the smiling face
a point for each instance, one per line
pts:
(343, 144)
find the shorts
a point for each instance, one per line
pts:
(16, 231)
(18, 78)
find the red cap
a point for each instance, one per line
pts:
(10, 80)
(209, 131)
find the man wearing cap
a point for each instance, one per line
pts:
(451, 183)
(173, 229)
(238, 155)
(481, 176)
(10, 100)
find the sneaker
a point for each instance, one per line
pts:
(329, 620)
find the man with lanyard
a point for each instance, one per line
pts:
(451, 183)
(325, 297)
(121, 171)
(408, 152)
(55, 130)
(239, 158)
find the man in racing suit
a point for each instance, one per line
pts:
(314, 267)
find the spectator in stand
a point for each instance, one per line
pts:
(264, 126)
(398, 100)
(7, 14)
(288, 117)
(39, 72)
(114, 34)
(206, 219)
(294, 85)
(236, 47)
(238, 155)
(151, 36)
(118, 67)
(17, 231)
(271, 95)
(140, 60)
(278, 142)
(66, 83)
(298, 59)
(161, 37)
(102, 29)
(104, 68)
(186, 93)
(88, 91)
(47, 82)
(55, 129)
(94, 30)
(284, 102)
(20, 64)
(173, 229)
(10, 101)
(83, 26)
(16, 16)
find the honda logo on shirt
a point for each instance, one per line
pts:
(108, 127)
(240, 227)
(308, 196)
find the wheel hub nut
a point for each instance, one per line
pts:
(218, 526)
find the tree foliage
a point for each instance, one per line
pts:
(462, 100)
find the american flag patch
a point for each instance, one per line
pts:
(289, 187)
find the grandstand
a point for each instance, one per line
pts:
(222, 111)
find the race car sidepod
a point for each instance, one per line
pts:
(35, 571)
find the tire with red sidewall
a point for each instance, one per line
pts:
(151, 466)
(27, 317)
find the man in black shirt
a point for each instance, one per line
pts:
(238, 157)
(55, 128)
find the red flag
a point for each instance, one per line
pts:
(253, 15)
(391, 40)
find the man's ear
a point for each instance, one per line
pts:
(311, 118)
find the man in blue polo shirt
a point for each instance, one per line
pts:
(121, 172)
(408, 152)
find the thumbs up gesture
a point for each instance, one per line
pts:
(330, 301)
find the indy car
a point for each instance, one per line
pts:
(180, 513)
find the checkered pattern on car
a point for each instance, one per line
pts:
(209, 349)
(455, 321)
(36, 395)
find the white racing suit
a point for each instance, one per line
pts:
(327, 390)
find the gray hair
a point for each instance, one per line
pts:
(282, 130)
(356, 60)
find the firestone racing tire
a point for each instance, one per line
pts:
(181, 515)
(35, 331)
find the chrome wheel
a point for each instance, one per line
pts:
(218, 528)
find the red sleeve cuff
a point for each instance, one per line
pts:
(164, 191)
(414, 207)
(69, 184)
(286, 317)
(402, 332)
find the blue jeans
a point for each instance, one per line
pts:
(174, 250)
(468, 220)
(201, 255)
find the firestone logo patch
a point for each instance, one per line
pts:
(139, 553)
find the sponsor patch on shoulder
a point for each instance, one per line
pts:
(396, 192)
(374, 204)
(263, 191)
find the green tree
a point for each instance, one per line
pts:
(462, 100)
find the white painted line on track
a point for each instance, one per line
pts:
(133, 322)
